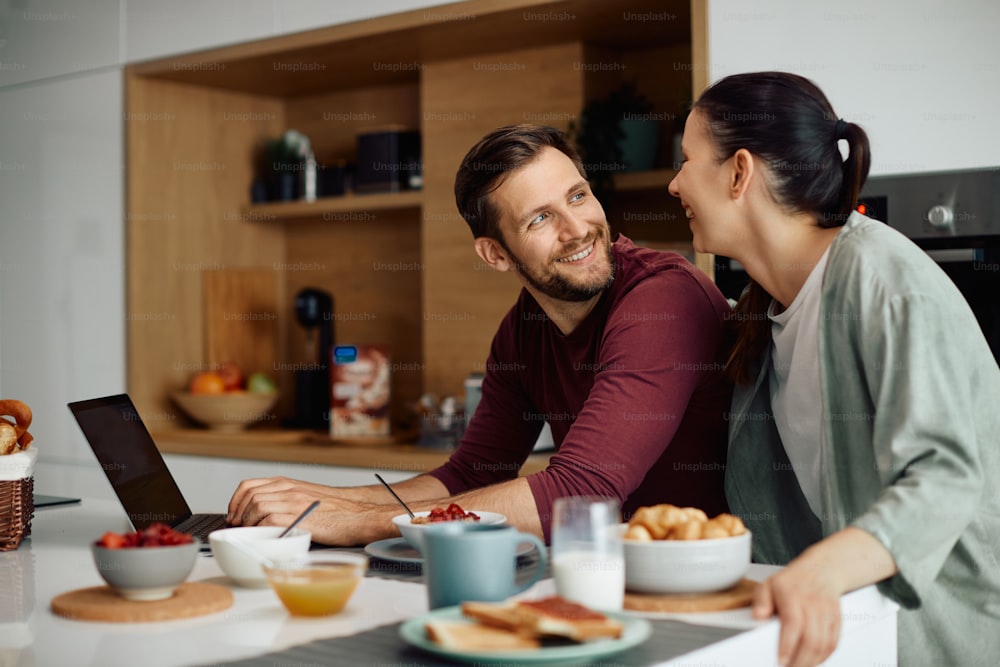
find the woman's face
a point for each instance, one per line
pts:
(702, 186)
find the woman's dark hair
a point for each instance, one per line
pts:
(485, 166)
(786, 121)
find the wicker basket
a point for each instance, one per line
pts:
(17, 507)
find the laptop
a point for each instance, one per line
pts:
(137, 472)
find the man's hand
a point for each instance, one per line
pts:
(349, 516)
(337, 521)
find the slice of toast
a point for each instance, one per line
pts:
(549, 617)
(459, 636)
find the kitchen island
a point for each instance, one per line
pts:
(56, 559)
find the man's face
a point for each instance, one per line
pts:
(554, 229)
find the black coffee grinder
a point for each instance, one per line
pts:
(314, 311)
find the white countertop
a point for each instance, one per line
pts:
(56, 559)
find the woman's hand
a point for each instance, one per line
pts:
(806, 594)
(808, 606)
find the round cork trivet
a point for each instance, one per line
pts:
(103, 604)
(738, 596)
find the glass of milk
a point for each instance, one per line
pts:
(588, 562)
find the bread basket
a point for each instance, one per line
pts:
(17, 504)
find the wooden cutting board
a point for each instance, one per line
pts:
(240, 308)
(100, 603)
(738, 596)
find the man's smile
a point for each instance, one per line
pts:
(575, 257)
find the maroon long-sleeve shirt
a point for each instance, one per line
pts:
(635, 395)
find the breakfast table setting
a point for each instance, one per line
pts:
(383, 620)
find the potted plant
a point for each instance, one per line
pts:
(285, 162)
(616, 133)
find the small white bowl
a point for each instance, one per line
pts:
(145, 573)
(414, 532)
(686, 566)
(241, 566)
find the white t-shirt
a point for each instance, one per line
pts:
(795, 392)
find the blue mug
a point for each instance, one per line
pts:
(466, 561)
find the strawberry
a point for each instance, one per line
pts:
(111, 540)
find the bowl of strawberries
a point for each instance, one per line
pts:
(148, 564)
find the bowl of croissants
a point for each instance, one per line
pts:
(671, 549)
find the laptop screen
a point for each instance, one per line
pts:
(131, 461)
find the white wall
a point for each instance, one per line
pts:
(62, 266)
(921, 76)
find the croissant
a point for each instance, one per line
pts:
(14, 434)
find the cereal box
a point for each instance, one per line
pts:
(360, 391)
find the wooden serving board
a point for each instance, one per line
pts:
(738, 596)
(100, 603)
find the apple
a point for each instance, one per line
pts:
(232, 376)
(261, 383)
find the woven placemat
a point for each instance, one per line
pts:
(384, 646)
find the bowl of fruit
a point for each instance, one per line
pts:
(412, 529)
(223, 399)
(149, 564)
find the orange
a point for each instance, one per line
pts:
(207, 382)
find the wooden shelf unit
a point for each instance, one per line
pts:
(400, 266)
(329, 209)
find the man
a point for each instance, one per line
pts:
(619, 348)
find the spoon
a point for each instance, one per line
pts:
(398, 499)
(299, 518)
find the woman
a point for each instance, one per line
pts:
(863, 435)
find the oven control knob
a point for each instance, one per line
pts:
(941, 217)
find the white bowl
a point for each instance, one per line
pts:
(414, 532)
(686, 566)
(241, 566)
(145, 573)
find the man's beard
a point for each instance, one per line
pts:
(557, 286)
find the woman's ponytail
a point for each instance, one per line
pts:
(855, 167)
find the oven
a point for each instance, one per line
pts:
(953, 215)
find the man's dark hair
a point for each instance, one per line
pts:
(487, 164)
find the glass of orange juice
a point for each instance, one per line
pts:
(318, 583)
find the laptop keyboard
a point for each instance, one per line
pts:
(200, 525)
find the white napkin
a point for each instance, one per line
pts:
(18, 465)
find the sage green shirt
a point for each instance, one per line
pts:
(909, 445)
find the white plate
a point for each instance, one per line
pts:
(637, 630)
(395, 549)
(398, 550)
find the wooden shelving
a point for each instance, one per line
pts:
(333, 208)
(400, 266)
(656, 179)
(329, 208)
